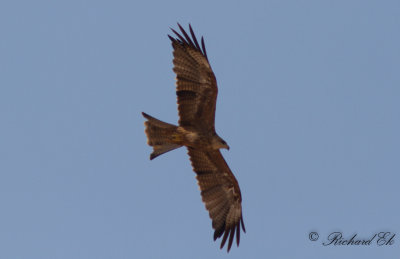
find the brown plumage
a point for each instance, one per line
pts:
(197, 96)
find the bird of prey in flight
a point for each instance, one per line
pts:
(196, 90)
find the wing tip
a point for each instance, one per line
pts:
(229, 232)
(186, 40)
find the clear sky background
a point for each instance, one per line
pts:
(309, 102)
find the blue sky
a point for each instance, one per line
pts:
(308, 101)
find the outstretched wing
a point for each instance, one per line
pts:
(220, 192)
(196, 84)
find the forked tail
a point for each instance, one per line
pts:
(162, 136)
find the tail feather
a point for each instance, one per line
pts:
(162, 136)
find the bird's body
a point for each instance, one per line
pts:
(197, 94)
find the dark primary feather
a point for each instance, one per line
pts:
(196, 84)
(220, 192)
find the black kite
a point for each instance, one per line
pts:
(197, 95)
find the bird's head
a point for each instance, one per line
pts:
(218, 143)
